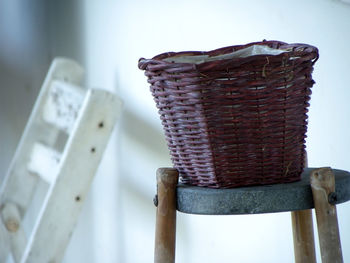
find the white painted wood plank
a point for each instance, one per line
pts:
(63, 104)
(44, 162)
(16, 237)
(79, 163)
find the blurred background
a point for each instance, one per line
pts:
(108, 38)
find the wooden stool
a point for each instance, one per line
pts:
(328, 188)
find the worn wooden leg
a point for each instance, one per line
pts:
(166, 216)
(323, 191)
(303, 236)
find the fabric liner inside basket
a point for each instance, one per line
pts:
(242, 53)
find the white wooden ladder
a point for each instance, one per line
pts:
(54, 164)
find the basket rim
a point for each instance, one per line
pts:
(290, 51)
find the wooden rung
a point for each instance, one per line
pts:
(44, 162)
(11, 219)
(62, 105)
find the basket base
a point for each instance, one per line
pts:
(242, 182)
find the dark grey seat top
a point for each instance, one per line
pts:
(257, 199)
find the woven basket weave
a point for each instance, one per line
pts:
(235, 120)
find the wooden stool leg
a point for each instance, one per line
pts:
(303, 236)
(166, 216)
(323, 191)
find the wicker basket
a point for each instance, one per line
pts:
(235, 116)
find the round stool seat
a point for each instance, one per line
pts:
(257, 199)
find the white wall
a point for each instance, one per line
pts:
(108, 37)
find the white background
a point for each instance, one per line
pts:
(108, 38)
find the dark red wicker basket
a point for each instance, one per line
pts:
(235, 121)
